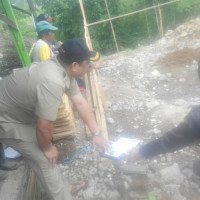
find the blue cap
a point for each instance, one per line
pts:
(43, 25)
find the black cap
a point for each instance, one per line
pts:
(44, 17)
(79, 49)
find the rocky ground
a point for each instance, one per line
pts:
(148, 91)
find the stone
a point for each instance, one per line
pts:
(156, 131)
(89, 193)
(172, 174)
(169, 159)
(162, 159)
(169, 75)
(113, 195)
(110, 120)
(134, 169)
(181, 80)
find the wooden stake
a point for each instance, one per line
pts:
(102, 96)
(100, 106)
(94, 98)
(161, 22)
(66, 134)
(147, 21)
(113, 31)
(87, 34)
(88, 94)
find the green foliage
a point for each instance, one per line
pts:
(25, 23)
(131, 31)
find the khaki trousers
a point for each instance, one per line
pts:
(49, 177)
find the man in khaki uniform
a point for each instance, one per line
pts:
(29, 101)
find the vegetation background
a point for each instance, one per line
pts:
(131, 31)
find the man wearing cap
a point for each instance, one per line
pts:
(42, 50)
(29, 101)
(43, 17)
(54, 44)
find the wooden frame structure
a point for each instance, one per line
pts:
(94, 92)
(110, 19)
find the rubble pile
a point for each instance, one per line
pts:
(145, 98)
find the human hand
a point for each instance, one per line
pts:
(52, 155)
(100, 142)
(134, 155)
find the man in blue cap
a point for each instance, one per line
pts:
(54, 44)
(29, 102)
(42, 50)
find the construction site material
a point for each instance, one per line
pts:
(64, 126)
(94, 95)
(134, 169)
(95, 99)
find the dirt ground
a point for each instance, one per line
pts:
(148, 91)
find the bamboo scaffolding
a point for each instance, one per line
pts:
(147, 22)
(92, 87)
(132, 13)
(161, 22)
(100, 106)
(112, 28)
(94, 98)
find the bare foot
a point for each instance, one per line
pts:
(76, 187)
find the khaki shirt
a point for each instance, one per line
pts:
(32, 92)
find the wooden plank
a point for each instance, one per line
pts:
(111, 25)
(94, 97)
(102, 96)
(161, 22)
(100, 106)
(88, 94)
(66, 134)
(87, 33)
(64, 123)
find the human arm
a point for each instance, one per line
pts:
(85, 112)
(44, 52)
(44, 130)
(48, 100)
(183, 135)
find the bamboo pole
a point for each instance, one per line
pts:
(92, 85)
(147, 22)
(161, 22)
(94, 98)
(132, 13)
(113, 31)
(87, 34)
(101, 110)
(156, 14)
(88, 94)
(102, 96)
